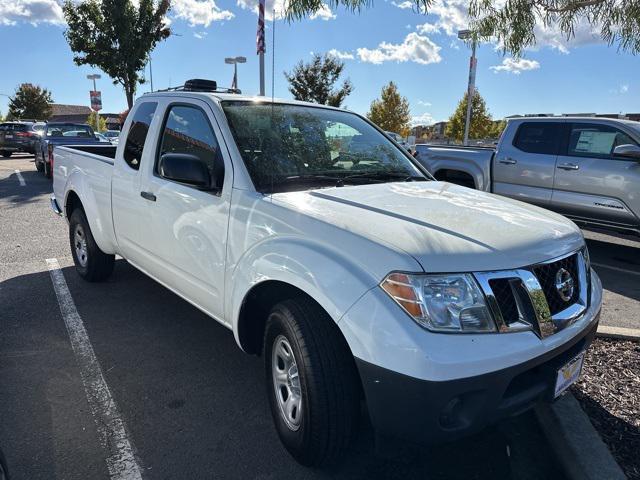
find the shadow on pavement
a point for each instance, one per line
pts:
(36, 185)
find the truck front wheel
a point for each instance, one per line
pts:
(92, 264)
(313, 385)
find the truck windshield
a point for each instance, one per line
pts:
(294, 147)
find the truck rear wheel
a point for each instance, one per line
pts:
(92, 264)
(313, 386)
(6, 154)
(39, 166)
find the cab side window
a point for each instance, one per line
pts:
(138, 134)
(538, 137)
(593, 140)
(188, 131)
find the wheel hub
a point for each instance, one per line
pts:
(80, 245)
(286, 383)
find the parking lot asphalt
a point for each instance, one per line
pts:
(193, 405)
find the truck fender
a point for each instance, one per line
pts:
(334, 281)
(102, 233)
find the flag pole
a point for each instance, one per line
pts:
(261, 44)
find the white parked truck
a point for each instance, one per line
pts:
(326, 249)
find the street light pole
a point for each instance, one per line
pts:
(94, 77)
(471, 88)
(235, 61)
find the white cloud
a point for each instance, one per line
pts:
(341, 55)
(31, 11)
(423, 119)
(551, 36)
(452, 15)
(621, 90)
(428, 28)
(199, 12)
(624, 88)
(404, 5)
(199, 35)
(415, 48)
(279, 7)
(510, 65)
(423, 103)
(324, 13)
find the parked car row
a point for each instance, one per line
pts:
(586, 168)
(27, 136)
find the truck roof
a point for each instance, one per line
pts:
(223, 96)
(584, 118)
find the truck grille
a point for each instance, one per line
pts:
(545, 297)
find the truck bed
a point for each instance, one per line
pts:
(95, 164)
(443, 161)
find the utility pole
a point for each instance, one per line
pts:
(471, 89)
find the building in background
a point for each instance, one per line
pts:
(79, 114)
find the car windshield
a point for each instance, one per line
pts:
(295, 147)
(82, 131)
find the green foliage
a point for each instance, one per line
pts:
(481, 122)
(30, 101)
(98, 123)
(512, 22)
(116, 36)
(314, 81)
(391, 111)
(497, 127)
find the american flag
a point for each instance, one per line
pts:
(261, 47)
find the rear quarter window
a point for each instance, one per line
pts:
(538, 137)
(138, 131)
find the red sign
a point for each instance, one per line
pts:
(96, 100)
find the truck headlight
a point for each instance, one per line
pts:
(441, 303)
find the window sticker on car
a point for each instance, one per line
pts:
(595, 142)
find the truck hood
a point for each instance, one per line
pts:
(445, 227)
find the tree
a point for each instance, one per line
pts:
(98, 123)
(512, 23)
(116, 36)
(314, 81)
(497, 128)
(391, 111)
(481, 122)
(30, 101)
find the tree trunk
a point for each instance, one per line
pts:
(129, 91)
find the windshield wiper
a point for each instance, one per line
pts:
(382, 177)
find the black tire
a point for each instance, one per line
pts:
(39, 166)
(329, 385)
(6, 154)
(47, 170)
(94, 265)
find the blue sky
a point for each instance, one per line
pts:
(387, 42)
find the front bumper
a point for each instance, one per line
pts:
(423, 412)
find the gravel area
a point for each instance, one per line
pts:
(609, 392)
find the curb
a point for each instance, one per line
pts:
(580, 450)
(619, 333)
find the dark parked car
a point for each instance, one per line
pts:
(57, 134)
(17, 137)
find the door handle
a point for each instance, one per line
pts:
(508, 161)
(568, 166)
(148, 196)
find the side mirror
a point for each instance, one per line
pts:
(629, 151)
(185, 168)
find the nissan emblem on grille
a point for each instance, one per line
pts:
(564, 284)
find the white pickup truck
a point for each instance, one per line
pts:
(326, 249)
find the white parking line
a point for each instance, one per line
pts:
(617, 269)
(20, 179)
(121, 461)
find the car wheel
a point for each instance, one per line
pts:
(92, 264)
(313, 386)
(39, 166)
(6, 154)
